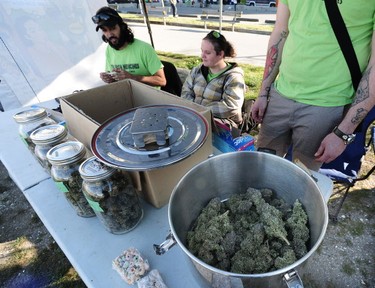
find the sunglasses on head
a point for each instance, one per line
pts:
(100, 17)
(216, 34)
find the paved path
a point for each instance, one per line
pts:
(251, 48)
(263, 14)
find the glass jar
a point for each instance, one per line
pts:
(46, 138)
(65, 159)
(112, 196)
(30, 120)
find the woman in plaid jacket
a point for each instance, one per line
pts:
(216, 83)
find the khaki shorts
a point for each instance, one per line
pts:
(287, 122)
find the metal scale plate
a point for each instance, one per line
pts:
(149, 137)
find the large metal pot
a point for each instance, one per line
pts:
(226, 174)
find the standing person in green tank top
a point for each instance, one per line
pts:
(307, 100)
(126, 56)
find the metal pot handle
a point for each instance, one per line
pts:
(166, 245)
(293, 280)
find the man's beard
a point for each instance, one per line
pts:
(120, 43)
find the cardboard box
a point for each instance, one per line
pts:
(86, 110)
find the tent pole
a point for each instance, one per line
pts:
(147, 21)
(221, 16)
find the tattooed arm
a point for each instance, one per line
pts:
(364, 100)
(273, 60)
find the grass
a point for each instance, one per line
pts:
(24, 250)
(357, 228)
(38, 266)
(253, 74)
(347, 268)
(359, 198)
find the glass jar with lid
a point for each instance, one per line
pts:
(46, 138)
(112, 196)
(65, 159)
(30, 120)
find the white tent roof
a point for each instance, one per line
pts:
(48, 48)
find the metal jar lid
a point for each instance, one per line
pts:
(92, 170)
(30, 115)
(149, 137)
(66, 153)
(49, 134)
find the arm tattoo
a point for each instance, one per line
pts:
(272, 56)
(360, 115)
(361, 95)
(363, 88)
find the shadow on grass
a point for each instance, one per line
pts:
(49, 268)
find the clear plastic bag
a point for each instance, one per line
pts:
(152, 280)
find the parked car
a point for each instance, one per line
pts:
(269, 3)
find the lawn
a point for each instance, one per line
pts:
(253, 74)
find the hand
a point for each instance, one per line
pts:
(107, 77)
(258, 109)
(121, 74)
(330, 148)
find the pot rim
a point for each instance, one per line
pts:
(281, 271)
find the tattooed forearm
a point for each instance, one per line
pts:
(272, 56)
(362, 93)
(359, 116)
(363, 89)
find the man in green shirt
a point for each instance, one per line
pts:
(307, 99)
(126, 56)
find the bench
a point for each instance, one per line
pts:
(161, 12)
(242, 19)
(152, 10)
(213, 15)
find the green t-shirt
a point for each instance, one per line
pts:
(211, 76)
(313, 69)
(138, 58)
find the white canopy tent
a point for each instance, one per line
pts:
(48, 48)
